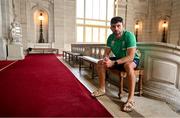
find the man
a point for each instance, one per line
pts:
(123, 44)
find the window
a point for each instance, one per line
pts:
(93, 20)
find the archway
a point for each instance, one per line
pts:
(41, 26)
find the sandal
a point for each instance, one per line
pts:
(98, 93)
(128, 106)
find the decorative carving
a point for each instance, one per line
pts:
(15, 35)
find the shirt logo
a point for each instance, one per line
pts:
(123, 44)
(112, 43)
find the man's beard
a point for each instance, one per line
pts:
(117, 33)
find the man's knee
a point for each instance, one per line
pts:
(100, 64)
(128, 66)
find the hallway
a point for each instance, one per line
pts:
(41, 86)
(145, 106)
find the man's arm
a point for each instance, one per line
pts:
(129, 57)
(107, 52)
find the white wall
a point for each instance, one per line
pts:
(161, 72)
(175, 24)
(151, 12)
(1, 45)
(0, 20)
(63, 22)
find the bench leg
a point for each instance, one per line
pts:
(121, 92)
(66, 56)
(77, 59)
(140, 85)
(92, 71)
(72, 59)
(69, 60)
(80, 63)
(57, 51)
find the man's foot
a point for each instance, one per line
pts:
(128, 106)
(98, 93)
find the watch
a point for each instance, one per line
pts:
(115, 63)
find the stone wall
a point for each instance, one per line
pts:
(175, 24)
(62, 25)
(151, 13)
(33, 9)
(62, 20)
(0, 20)
(6, 16)
(162, 75)
(161, 63)
(65, 19)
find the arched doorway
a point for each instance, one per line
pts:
(41, 26)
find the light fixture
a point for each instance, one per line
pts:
(164, 25)
(41, 18)
(136, 30)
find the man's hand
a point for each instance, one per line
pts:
(108, 62)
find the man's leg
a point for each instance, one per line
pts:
(129, 67)
(129, 105)
(101, 71)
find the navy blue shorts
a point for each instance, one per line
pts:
(121, 66)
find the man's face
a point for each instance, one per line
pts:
(117, 28)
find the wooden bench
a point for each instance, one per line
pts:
(139, 72)
(123, 74)
(71, 56)
(92, 54)
(43, 50)
(93, 62)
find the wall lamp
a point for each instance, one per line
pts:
(41, 18)
(136, 30)
(164, 33)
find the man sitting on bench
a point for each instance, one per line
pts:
(123, 44)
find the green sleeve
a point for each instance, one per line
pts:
(109, 41)
(130, 40)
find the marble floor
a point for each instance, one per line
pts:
(145, 106)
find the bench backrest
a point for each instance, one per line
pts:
(94, 50)
(141, 56)
(97, 51)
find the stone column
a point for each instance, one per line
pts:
(59, 24)
(3, 51)
(175, 24)
(0, 21)
(69, 23)
(64, 24)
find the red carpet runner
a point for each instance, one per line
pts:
(4, 64)
(41, 85)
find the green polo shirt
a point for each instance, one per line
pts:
(119, 46)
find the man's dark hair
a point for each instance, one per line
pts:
(116, 19)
